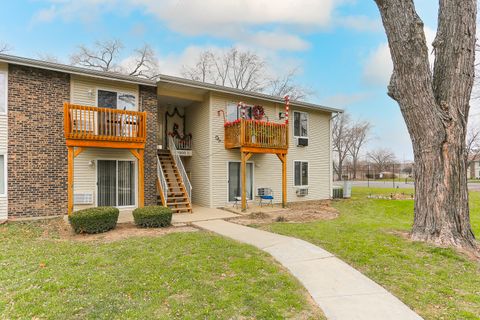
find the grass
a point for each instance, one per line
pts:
(370, 235)
(178, 276)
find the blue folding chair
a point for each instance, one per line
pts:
(265, 195)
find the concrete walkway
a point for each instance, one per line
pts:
(340, 291)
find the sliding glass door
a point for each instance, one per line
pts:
(235, 181)
(116, 183)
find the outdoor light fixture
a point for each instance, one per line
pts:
(281, 115)
(91, 164)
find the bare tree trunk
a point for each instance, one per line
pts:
(435, 108)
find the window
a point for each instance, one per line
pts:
(300, 124)
(300, 173)
(3, 92)
(116, 100)
(234, 112)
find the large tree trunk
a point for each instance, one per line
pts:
(435, 108)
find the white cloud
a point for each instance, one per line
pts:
(378, 67)
(360, 23)
(45, 15)
(250, 22)
(207, 16)
(277, 41)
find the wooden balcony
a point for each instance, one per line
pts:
(256, 136)
(103, 127)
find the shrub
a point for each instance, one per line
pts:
(152, 216)
(94, 220)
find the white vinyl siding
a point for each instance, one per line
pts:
(4, 140)
(198, 124)
(267, 167)
(84, 92)
(85, 170)
(318, 156)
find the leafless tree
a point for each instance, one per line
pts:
(341, 141)
(48, 57)
(105, 55)
(472, 147)
(359, 134)
(285, 85)
(4, 47)
(382, 159)
(144, 63)
(202, 70)
(244, 70)
(435, 105)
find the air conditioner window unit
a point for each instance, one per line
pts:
(301, 142)
(302, 192)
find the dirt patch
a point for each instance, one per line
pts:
(61, 230)
(296, 212)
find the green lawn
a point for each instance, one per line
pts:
(437, 283)
(183, 275)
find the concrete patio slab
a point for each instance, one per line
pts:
(342, 292)
(198, 214)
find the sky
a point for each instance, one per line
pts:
(338, 46)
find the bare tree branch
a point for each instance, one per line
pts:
(341, 141)
(285, 85)
(103, 56)
(359, 134)
(244, 70)
(145, 63)
(5, 47)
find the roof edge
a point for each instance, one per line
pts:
(75, 70)
(250, 94)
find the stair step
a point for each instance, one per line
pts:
(177, 203)
(177, 210)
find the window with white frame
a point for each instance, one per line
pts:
(300, 124)
(3, 92)
(300, 169)
(2, 175)
(116, 100)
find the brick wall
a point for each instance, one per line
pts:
(148, 103)
(37, 155)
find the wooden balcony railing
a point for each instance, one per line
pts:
(256, 134)
(104, 124)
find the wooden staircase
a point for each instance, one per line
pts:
(177, 196)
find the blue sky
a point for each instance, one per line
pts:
(339, 46)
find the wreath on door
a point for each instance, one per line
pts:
(258, 112)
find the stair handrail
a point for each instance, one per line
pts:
(181, 168)
(163, 182)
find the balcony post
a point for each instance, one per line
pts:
(71, 157)
(139, 154)
(283, 159)
(245, 156)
